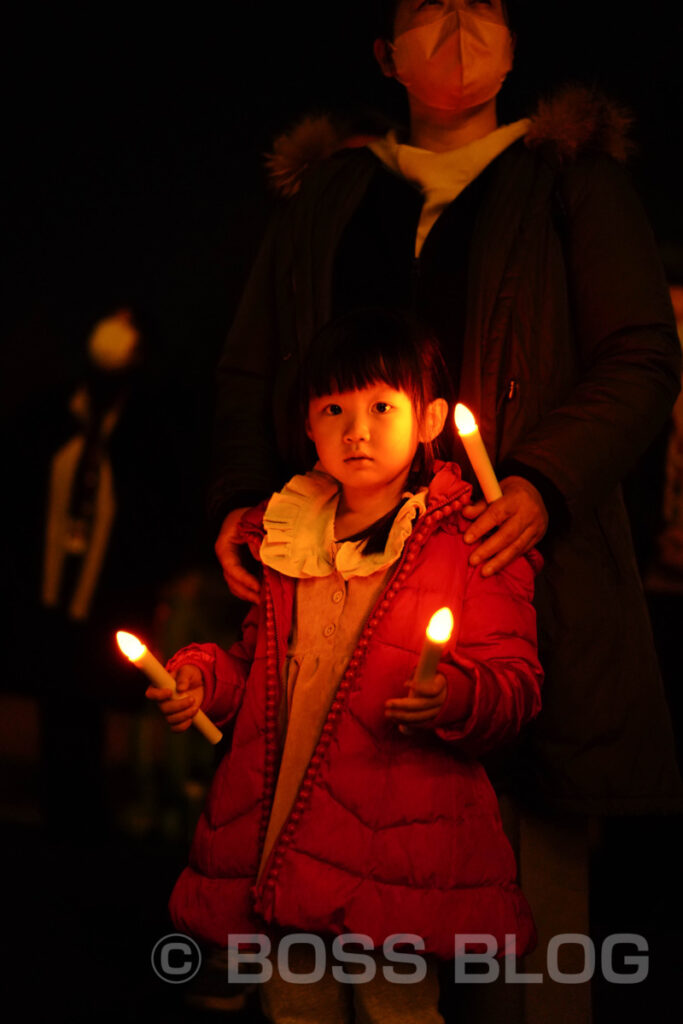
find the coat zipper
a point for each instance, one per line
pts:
(271, 735)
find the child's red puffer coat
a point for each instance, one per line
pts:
(390, 833)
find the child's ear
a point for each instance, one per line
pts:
(309, 433)
(434, 420)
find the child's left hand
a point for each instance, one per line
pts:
(422, 705)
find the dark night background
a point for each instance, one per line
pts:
(133, 159)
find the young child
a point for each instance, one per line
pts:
(351, 800)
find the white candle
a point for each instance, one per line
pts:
(439, 630)
(154, 670)
(438, 634)
(476, 453)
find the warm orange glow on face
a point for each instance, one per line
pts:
(440, 626)
(130, 645)
(464, 420)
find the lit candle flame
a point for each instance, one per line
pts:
(464, 420)
(440, 626)
(130, 645)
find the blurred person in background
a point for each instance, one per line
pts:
(90, 533)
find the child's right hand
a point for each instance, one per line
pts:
(179, 710)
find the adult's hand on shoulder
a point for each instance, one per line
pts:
(227, 548)
(519, 519)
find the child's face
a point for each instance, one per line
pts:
(365, 439)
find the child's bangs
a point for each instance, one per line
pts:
(361, 370)
(358, 352)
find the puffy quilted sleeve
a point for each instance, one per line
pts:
(495, 661)
(225, 672)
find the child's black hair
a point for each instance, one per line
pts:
(370, 345)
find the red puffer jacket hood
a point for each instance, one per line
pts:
(390, 833)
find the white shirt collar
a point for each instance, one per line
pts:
(443, 176)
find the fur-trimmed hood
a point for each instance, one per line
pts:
(575, 120)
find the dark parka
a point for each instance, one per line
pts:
(571, 364)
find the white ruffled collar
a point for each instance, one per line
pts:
(299, 525)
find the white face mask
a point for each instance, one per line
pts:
(455, 63)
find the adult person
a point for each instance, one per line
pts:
(526, 250)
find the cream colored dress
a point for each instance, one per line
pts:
(338, 585)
